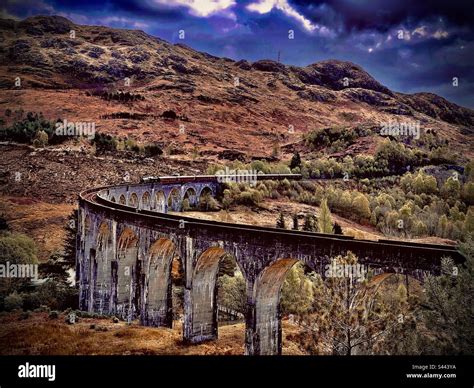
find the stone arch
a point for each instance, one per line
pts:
(146, 201)
(160, 202)
(101, 270)
(174, 200)
(411, 283)
(122, 200)
(204, 194)
(191, 197)
(133, 200)
(267, 307)
(203, 306)
(157, 290)
(124, 274)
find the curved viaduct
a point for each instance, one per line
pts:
(126, 243)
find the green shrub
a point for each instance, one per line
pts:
(24, 315)
(152, 150)
(326, 136)
(26, 130)
(185, 205)
(31, 300)
(104, 142)
(13, 301)
(232, 292)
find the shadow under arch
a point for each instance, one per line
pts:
(133, 200)
(101, 270)
(124, 273)
(145, 202)
(160, 202)
(174, 200)
(122, 200)
(268, 286)
(191, 197)
(157, 286)
(204, 197)
(203, 325)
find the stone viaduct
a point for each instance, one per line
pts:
(126, 243)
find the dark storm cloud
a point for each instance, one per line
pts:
(380, 15)
(137, 8)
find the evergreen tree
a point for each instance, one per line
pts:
(295, 222)
(295, 161)
(337, 228)
(56, 268)
(449, 306)
(58, 265)
(325, 221)
(310, 224)
(3, 224)
(281, 221)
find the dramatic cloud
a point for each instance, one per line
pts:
(265, 6)
(201, 8)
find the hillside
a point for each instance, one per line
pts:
(225, 107)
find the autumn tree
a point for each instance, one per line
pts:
(232, 292)
(297, 292)
(468, 193)
(348, 314)
(360, 206)
(451, 189)
(325, 221)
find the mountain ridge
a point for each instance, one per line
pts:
(272, 96)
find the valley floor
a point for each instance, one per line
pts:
(40, 335)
